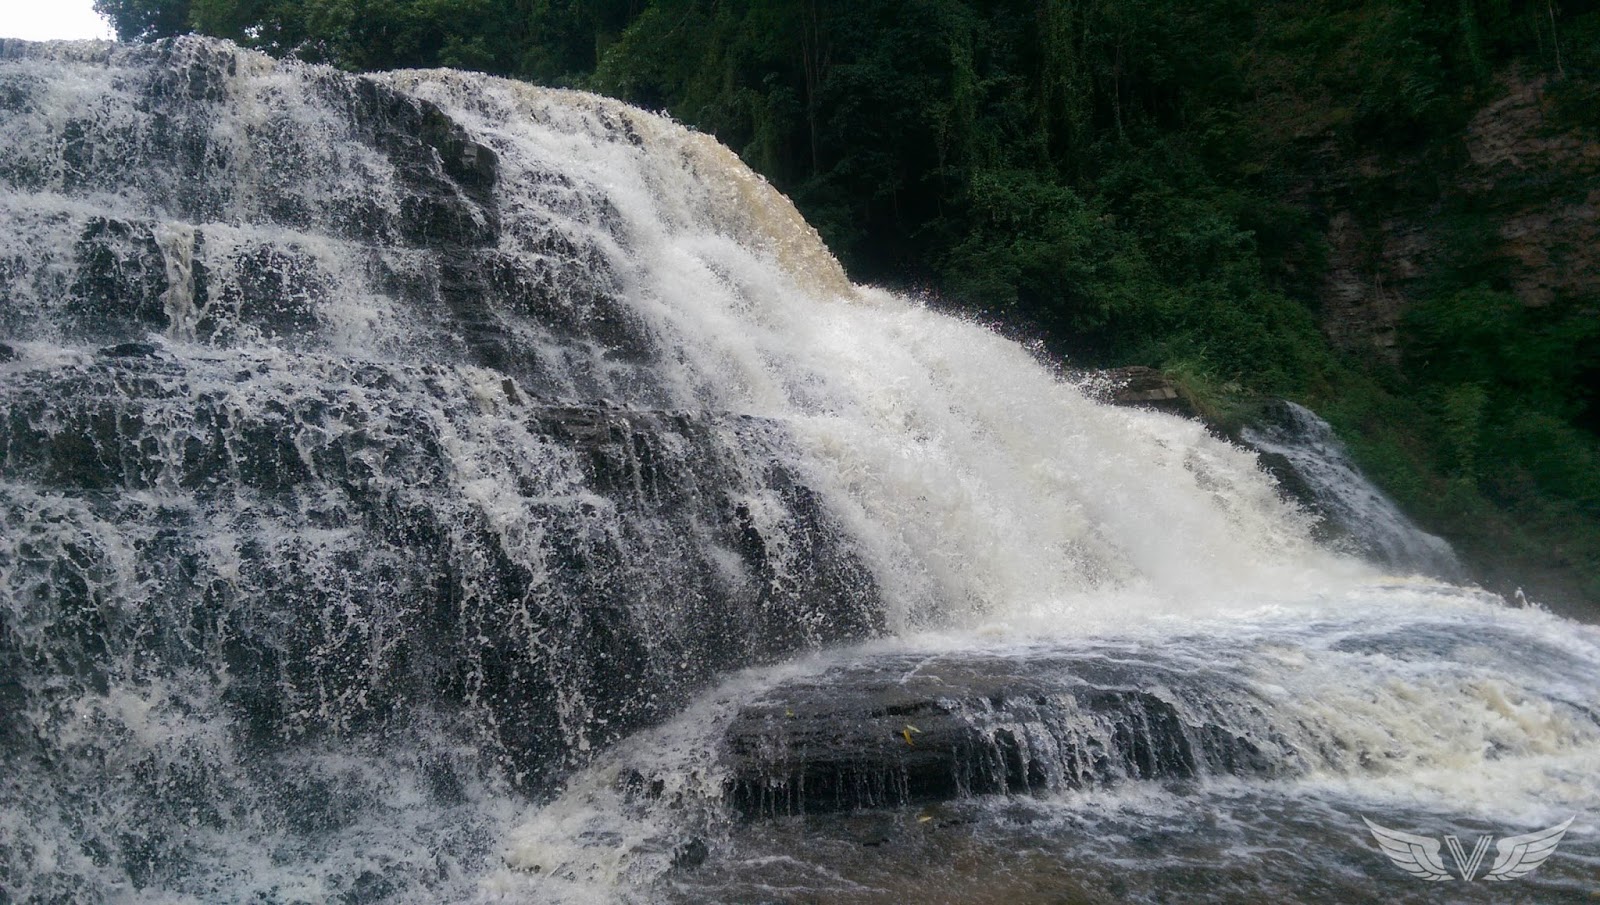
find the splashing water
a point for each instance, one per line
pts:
(396, 470)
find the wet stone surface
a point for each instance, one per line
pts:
(916, 729)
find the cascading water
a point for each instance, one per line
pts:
(392, 467)
(1359, 513)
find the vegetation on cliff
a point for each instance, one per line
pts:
(1256, 198)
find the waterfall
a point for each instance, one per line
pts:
(1357, 511)
(381, 455)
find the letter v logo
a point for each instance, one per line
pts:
(1468, 866)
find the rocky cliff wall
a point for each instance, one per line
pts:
(1515, 196)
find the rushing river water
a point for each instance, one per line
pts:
(424, 487)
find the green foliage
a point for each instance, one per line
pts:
(1033, 245)
(1508, 390)
(1529, 357)
(1480, 434)
(1515, 489)
(554, 41)
(145, 19)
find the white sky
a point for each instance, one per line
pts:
(42, 20)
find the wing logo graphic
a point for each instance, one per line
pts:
(1515, 856)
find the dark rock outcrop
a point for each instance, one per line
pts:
(1315, 471)
(914, 728)
(1137, 385)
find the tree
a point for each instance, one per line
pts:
(142, 20)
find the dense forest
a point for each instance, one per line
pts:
(1384, 209)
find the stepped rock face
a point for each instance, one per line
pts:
(376, 450)
(327, 546)
(311, 407)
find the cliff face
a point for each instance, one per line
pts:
(1516, 197)
(1539, 176)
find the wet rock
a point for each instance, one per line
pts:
(286, 244)
(449, 177)
(908, 729)
(311, 485)
(1141, 386)
(643, 572)
(1311, 468)
(120, 279)
(273, 291)
(131, 350)
(690, 854)
(1294, 487)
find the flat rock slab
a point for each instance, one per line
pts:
(906, 728)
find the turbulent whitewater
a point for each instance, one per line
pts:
(425, 487)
